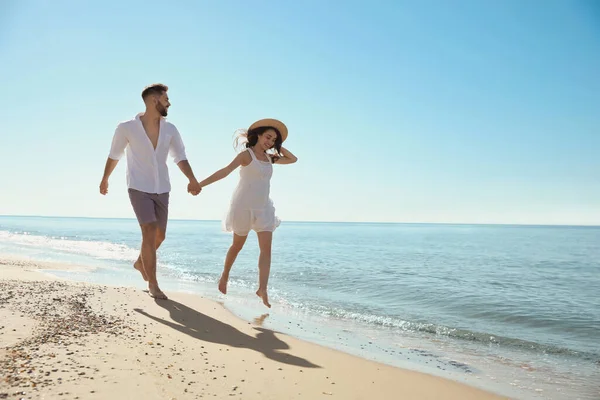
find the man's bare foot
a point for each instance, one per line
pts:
(262, 293)
(223, 283)
(140, 267)
(157, 293)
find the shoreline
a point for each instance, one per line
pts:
(185, 347)
(494, 224)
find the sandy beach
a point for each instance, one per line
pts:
(71, 340)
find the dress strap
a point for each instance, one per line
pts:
(252, 153)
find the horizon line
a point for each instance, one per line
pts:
(328, 222)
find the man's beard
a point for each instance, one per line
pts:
(161, 109)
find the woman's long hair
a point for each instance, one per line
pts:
(248, 138)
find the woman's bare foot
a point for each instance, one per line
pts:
(156, 293)
(262, 293)
(140, 267)
(223, 283)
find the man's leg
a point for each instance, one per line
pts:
(161, 210)
(139, 265)
(150, 210)
(149, 237)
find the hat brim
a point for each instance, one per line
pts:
(272, 123)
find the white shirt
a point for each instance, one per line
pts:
(147, 169)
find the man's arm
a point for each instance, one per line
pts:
(193, 186)
(117, 149)
(177, 151)
(108, 169)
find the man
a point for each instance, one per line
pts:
(149, 139)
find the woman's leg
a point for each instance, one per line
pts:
(234, 250)
(265, 240)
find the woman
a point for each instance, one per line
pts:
(251, 207)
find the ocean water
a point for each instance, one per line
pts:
(512, 309)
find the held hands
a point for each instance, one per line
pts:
(194, 188)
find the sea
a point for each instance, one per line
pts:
(511, 309)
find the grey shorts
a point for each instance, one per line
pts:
(150, 207)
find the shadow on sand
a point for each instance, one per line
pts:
(205, 328)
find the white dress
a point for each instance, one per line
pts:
(251, 207)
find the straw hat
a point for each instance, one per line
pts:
(272, 123)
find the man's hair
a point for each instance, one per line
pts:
(156, 88)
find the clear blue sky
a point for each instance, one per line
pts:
(428, 111)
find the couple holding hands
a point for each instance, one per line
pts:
(149, 139)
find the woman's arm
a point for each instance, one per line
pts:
(240, 159)
(288, 157)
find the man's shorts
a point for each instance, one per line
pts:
(150, 207)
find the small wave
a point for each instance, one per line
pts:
(441, 330)
(96, 249)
